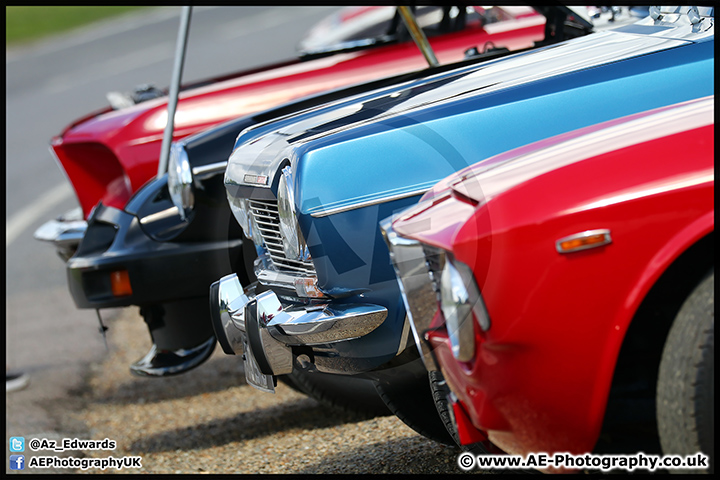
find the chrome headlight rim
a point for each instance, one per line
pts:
(460, 302)
(180, 180)
(294, 245)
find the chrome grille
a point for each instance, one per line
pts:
(266, 216)
(435, 262)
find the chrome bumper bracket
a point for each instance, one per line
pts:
(264, 331)
(65, 232)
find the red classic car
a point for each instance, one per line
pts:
(109, 154)
(574, 279)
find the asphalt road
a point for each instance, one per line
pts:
(51, 83)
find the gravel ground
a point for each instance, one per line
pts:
(210, 421)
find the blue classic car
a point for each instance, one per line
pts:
(310, 189)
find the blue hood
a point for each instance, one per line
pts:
(401, 140)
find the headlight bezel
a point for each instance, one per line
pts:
(461, 302)
(294, 245)
(180, 180)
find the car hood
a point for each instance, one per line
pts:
(260, 150)
(483, 182)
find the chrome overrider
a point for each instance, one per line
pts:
(416, 285)
(265, 332)
(65, 232)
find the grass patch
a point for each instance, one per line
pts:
(25, 24)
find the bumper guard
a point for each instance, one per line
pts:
(65, 232)
(265, 331)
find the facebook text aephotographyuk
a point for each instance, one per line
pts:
(467, 461)
(85, 463)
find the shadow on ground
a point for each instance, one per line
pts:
(303, 414)
(217, 374)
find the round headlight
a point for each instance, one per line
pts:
(180, 180)
(293, 242)
(457, 309)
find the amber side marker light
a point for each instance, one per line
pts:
(307, 287)
(120, 283)
(583, 241)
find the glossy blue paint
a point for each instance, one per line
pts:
(419, 147)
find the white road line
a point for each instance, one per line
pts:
(111, 68)
(30, 214)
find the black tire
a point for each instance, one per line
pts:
(290, 382)
(440, 392)
(350, 394)
(408, 394)
(686, 382)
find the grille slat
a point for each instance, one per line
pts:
(273, 242)
(435, 262)
(267, 218)
(265, 223)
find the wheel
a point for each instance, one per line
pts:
(348, 393)
(409, 394)
(686, 385)
(440, 392)
(290, 382)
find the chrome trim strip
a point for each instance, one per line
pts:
(588, 233)
(270, 278)
(418, 294)
(209, 168)
(162, 214)
(368, 203)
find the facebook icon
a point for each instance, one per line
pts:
(17, 462)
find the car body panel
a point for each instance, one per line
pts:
(541, 375)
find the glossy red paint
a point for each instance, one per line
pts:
(540, 377)
(109, 156)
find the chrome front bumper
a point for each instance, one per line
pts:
(65, 232)
(265, 331)
(419, 296)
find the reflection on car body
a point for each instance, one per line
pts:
(559, 300)
(310, 189)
